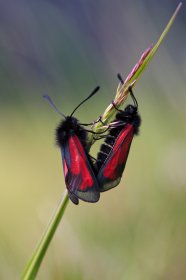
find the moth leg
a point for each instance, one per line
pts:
(93, 132)
(100, 137)
(94, 122)
(115, 107)
(92, 157)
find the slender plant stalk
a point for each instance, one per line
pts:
(34, 263)
(122, 90)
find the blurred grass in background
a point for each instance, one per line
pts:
(137, 230)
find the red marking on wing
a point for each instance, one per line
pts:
(65, 168)
(79, 164)
(116, 160)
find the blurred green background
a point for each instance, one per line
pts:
(66, 48)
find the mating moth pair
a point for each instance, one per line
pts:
(86, 177)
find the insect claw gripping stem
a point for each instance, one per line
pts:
(92, 157)
(95, 133)
(94, 122)
(115, 107)
(100, 120)
(87, 124)
(100, 138)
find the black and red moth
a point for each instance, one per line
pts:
(72, 138)
(113, 154)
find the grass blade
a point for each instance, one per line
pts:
(34, 263)
(156, 46)
(132, 78)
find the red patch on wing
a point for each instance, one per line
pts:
(112, 169)
(65, 168)
(118, 156)
(79, 165)
(79, 176)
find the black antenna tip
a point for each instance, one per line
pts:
(120, 78)
(95, 90)
(92, 93)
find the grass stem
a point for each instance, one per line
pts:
(33, 265)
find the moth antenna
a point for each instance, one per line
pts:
(133, 97)
(130, 90)
(120, 78)
(92, 93)
(47, 97)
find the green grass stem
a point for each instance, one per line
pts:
(34, 263)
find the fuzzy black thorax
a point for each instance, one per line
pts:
(68, 127)
(130, 115)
